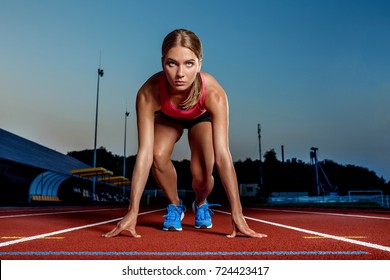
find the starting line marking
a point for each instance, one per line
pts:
(349, 237)
(20, 237)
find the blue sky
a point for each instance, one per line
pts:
(312, 73)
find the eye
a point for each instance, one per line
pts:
(189, 63)
(170, 63)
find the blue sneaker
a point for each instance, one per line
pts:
(203, 215)
(174, 216)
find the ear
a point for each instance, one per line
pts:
(200, 65)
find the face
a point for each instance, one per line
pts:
(181, 66)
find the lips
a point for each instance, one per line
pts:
(179, 83)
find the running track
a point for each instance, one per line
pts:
(62, 233)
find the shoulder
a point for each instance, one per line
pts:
(149, 92)
(208, 79)
(215, 94)
(150, 87)
(151, 84)
(212, 85)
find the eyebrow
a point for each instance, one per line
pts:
(174, 60)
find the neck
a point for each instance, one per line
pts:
(178, 94)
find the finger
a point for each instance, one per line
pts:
(113, 232)
(251, 233)
(234, 233)
(258, 235)
(108, 234)
(134, 233)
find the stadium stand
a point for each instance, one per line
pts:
(30, 172)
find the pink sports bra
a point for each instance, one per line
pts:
(171, 110)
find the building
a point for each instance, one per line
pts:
(30, 172)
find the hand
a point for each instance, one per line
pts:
(239, 224)
(128, 223)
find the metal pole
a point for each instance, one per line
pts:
(314, 155)
(124, 146)
(260, 156)
(124, 154)
(100, 74)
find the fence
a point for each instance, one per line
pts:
(357, 197)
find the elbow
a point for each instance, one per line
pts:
(218, 162)
(222, 161)
(144, 158)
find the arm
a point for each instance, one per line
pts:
(217, 105)
(146, 105)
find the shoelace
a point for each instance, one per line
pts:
(204, 211)
(173, 213)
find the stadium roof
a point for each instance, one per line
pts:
(117, 180)
(91, 172)
(17, 149)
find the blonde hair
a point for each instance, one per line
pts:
(188, 39)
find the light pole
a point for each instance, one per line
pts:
(124, 146)
(124, 153)
(100, 74)
(313, 156)
(260, 156)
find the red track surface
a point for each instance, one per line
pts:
(299, 234)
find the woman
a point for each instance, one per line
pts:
(181, 97)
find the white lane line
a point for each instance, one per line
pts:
(4, 244)
(353, 241)
(36, 209)
(58, 213)
(325, 213)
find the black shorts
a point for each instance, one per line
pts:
(160, 117)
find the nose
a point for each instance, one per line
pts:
(180, 72)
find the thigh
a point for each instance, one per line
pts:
(202, 151)
(166, 134)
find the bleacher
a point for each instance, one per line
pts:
(102, 175)
(45, 198)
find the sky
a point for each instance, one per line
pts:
(312, 73)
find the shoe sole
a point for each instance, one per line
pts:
(203, 227)
(172, 229)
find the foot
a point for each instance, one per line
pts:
(174, 216)
(203, 215)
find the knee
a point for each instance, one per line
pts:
(160, 160)
(202, 180)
